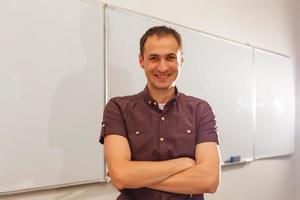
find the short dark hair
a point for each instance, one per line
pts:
(159, 31)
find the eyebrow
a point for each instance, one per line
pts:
(153, 54)
(169, 54)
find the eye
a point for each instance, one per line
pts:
(153, 58)
(171, 57)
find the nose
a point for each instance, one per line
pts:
(163, 66)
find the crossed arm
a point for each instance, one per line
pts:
(182, 175)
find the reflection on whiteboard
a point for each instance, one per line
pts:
(275, 105)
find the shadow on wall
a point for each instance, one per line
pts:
(73, 113)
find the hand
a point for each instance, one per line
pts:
(187, 162)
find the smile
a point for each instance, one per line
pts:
(162, 76)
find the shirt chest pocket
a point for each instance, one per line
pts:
(140, 139)
(183, 139)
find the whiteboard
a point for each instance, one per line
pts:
(218, 71)
(52, 93)
(275, 105)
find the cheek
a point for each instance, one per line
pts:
(148, 71)
(175, 67)
(149, 67)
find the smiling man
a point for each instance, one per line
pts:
(161, 144)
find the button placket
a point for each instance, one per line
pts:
(162, 133)
(162, 125)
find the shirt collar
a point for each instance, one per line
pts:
(149, 100)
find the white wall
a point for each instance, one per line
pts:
(264, 23)
(296, 157)
(267, 24)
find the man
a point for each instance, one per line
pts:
(159, 143)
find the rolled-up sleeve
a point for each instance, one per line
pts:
(206, 124)
(113, 122)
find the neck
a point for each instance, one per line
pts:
(162, 95)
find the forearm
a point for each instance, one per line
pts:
(195, 180)
(137, 174)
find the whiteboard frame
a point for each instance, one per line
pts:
(245, 44)
(104, 179)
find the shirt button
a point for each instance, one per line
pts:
(149, 102)
(162, 118)
(154, 103)
(188, 131)
(137, 132)
(103, 125)
(161, 139)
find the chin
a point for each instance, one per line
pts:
(163, 86)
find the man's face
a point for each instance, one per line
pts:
(161, 61)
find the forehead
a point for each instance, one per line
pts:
(161, 43)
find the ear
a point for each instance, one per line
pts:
(181, 59)
(141, 61)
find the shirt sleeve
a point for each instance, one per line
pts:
(206, 124)
(113, 122)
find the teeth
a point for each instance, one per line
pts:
(161, 75)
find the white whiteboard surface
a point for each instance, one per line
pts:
(275, 105)
(221, 73)
(51, 83)
(215, 70)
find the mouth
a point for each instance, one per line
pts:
(162, 76)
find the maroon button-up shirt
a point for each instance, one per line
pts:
(155, 135)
